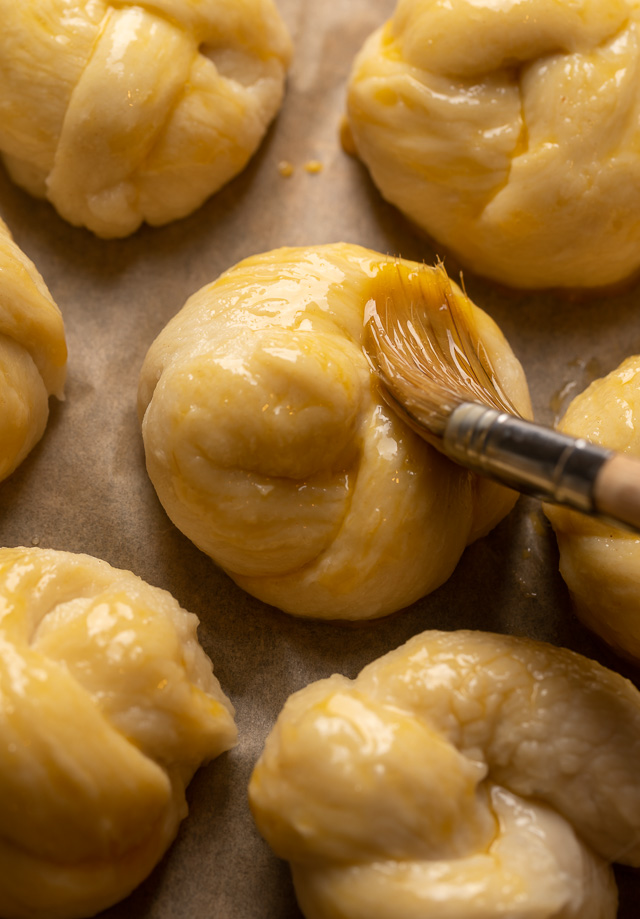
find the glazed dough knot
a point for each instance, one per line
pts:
(109, 705)
(270, 446)
(599, 562)
(509, 132)
(464, 774)
(33, 354)
(124, 112)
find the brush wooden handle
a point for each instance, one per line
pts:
(545, 463)
(616, 490)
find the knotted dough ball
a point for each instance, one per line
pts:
(270, 446)
(599, 562)
(119, 113)
(109, 705)
(462, 775)
(510, 132)
(33, 354)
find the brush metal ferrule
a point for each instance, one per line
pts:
(535, 460)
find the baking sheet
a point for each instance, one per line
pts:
(84, 487)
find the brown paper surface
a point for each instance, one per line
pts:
(84, 487)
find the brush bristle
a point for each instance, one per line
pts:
(423, 340)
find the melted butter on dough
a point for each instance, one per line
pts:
(463, 774)
(600, 563)
(129, 112)
(33, 354)
(109, 707)
(509, 133)
(271, 448)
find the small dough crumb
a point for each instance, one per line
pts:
(285, 168)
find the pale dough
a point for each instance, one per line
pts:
(120, 113)
(109, 705)
(599, 562)
(462, 775)
(33, 354)
(270, 446)
(510, 132)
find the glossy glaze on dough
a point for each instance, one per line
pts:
(109, 705)
(120, 113)
(462, 776)
(599, 562)
(271, 448)
(33, 354)
(510, 132)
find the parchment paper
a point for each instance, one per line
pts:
(84, 488)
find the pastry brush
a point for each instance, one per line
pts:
(423, 340)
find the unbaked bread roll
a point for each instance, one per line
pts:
(462, 775)
(510, 132)
(599, 562)
(109, 705)
(270, 446)
(33, 354)
(120, 113)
